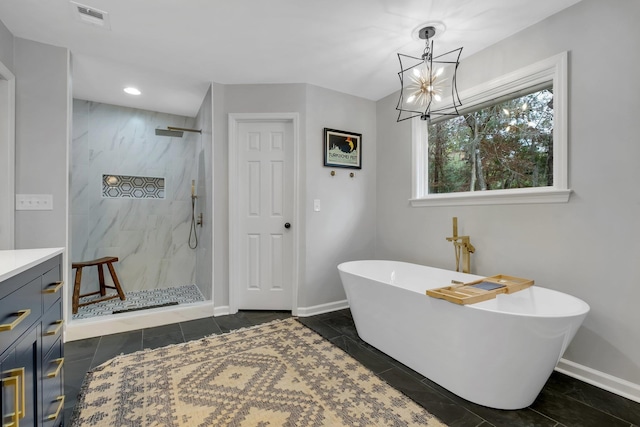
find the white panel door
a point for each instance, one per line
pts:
(265, 155)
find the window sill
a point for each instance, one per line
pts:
(495, 197)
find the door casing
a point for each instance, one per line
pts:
(235, 257)
(7, 157)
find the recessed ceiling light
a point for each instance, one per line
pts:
(132, 90)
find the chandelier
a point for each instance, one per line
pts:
(428, 84)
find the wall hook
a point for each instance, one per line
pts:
(333, 173)
(352, 174)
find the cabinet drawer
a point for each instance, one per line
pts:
(52, 287)
(52, 325)
(53, 384)
(19, 310)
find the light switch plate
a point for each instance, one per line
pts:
(316, 205)
(34, 202)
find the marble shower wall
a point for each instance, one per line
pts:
(149, 236)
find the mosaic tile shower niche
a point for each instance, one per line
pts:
(136, 187)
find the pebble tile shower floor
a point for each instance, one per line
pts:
(564, 401)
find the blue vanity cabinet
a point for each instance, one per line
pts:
(31, 351)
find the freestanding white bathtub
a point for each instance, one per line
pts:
(497, 353)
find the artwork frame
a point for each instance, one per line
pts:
(342, 149)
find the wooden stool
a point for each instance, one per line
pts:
(103, 287)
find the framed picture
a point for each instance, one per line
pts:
(342, 149)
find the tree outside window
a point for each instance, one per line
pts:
(503, 146)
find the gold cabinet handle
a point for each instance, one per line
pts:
(13, 382)
(16, 378)
(58, 324)
(19, 372)
(22, 314)
(55, 372)
(57, 286)
(53, 416)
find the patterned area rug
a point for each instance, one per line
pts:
(277, 374)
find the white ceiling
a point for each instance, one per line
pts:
(172, 49)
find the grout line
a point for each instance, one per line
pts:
(184, 339)
(380, 373)
(566, 396)
(217, 325)
(95, 351)
(558, 423)
(443, 397)
(457, 404)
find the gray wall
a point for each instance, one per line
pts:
(6, 47)
(585, 247)
(42, 134)
(345, 227)
(7, 142)
(220, 198)
(285, 98)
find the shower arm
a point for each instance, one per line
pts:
(184, 129)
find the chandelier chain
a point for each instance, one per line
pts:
(426, 53)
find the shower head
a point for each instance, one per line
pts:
(175, 132)
(169, 132)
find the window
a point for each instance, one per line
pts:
(508, 145)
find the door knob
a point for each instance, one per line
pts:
(287, 225)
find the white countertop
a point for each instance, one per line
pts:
(14, 262)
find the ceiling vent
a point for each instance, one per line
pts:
(90, 15)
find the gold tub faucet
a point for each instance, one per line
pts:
(462, 246)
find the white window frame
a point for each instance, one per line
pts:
(551, 70)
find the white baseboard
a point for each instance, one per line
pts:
(105, 325)
(223, 310)
(299, 311)
(599, 379)
(322, 308)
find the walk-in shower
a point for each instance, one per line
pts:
(137, 196)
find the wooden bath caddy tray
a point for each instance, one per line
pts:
(480, 290)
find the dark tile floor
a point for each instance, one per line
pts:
(564, 401)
